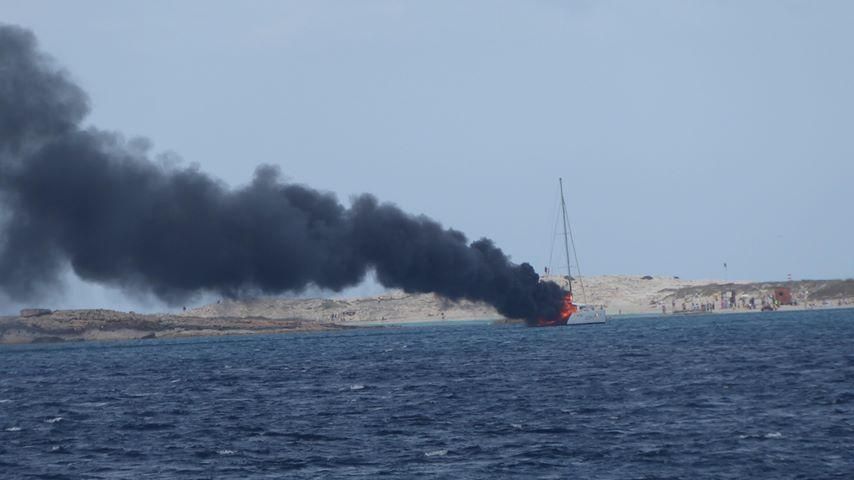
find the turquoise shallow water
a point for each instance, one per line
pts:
(729, 396)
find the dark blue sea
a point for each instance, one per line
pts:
(729, 396)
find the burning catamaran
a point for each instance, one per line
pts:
(572, 313)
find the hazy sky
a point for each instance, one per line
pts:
(689, 134)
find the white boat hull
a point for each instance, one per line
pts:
(587, 315)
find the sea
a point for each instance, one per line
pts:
(741, 396)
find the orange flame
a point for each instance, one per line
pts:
(566, 311)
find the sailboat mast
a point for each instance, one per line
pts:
(565, 236)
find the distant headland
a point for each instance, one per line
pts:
(621, 294)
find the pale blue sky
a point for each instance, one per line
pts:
(689, 132)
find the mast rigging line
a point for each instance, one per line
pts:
(567, 233)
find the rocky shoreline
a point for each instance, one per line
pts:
(100, 324)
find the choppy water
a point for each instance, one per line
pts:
(737, 396)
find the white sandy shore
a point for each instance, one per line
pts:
(621, 294)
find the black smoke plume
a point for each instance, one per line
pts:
(87, 197)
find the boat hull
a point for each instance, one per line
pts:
(572, 314)
(586, 316)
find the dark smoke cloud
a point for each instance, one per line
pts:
(99, 202)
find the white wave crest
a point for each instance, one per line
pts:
(757, 436)
(436, 453)
(53, 420)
